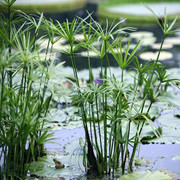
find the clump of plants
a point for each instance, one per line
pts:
(112, 107)
(25, 94)
(109, 109)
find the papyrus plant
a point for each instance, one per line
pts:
(109, 110)
(24, 101)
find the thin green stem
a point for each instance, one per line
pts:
(91, 131)
(9, 45)
(126, 145)
(122, 75)
(105, 114)
(94, 129)
(89, 67)
(139, 133)
(98, 119)
(157, 59)
(2, 92)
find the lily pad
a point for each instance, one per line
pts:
(173, 40)
(141, 34)
(136, 9)
(60, 118)
(79, 37)
(146, 175)
(90, 53)
(152, 135)
(44, 43)
(153, 55)
(44, 56)
(45, 166)
(177, 157)
(143, 162)
(169, 120)
(75, 147)
(147, 41)
(165, 46)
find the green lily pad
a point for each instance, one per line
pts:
(170, 121)
(141, 34)
(90, 54)
(169, 135)
(79, 37)
(146, 175)
(165, 46)
(153, 55)
(148, 41)
(173, 40)
(152, 135)
(172, 99)
(75, 147)
(177, 157)
(63, 118)
(45, 166)
(142, 162)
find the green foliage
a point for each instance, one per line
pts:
(25, 97)
(110, 110)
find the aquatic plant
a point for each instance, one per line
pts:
(24, 93)
(110, 110)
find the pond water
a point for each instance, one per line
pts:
(164, 157)
(159, 156)
(162, 154)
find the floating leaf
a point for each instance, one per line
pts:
(173, 40)
(90, 54)
(141, 34)
(146, 175)
(152, 135)
(79, 37)
(153, 55)
(147, 41)
(142, 162)
(165, 46)
(45, 166)
(75, 147)
(177, 157)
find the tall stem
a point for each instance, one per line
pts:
(90, 155)
(140, 130)
(90, 70)
(98, 118)
(105, 112)
(157, 59)
(94, 127)
(9, 45)
(122, 75)
(2, 92)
